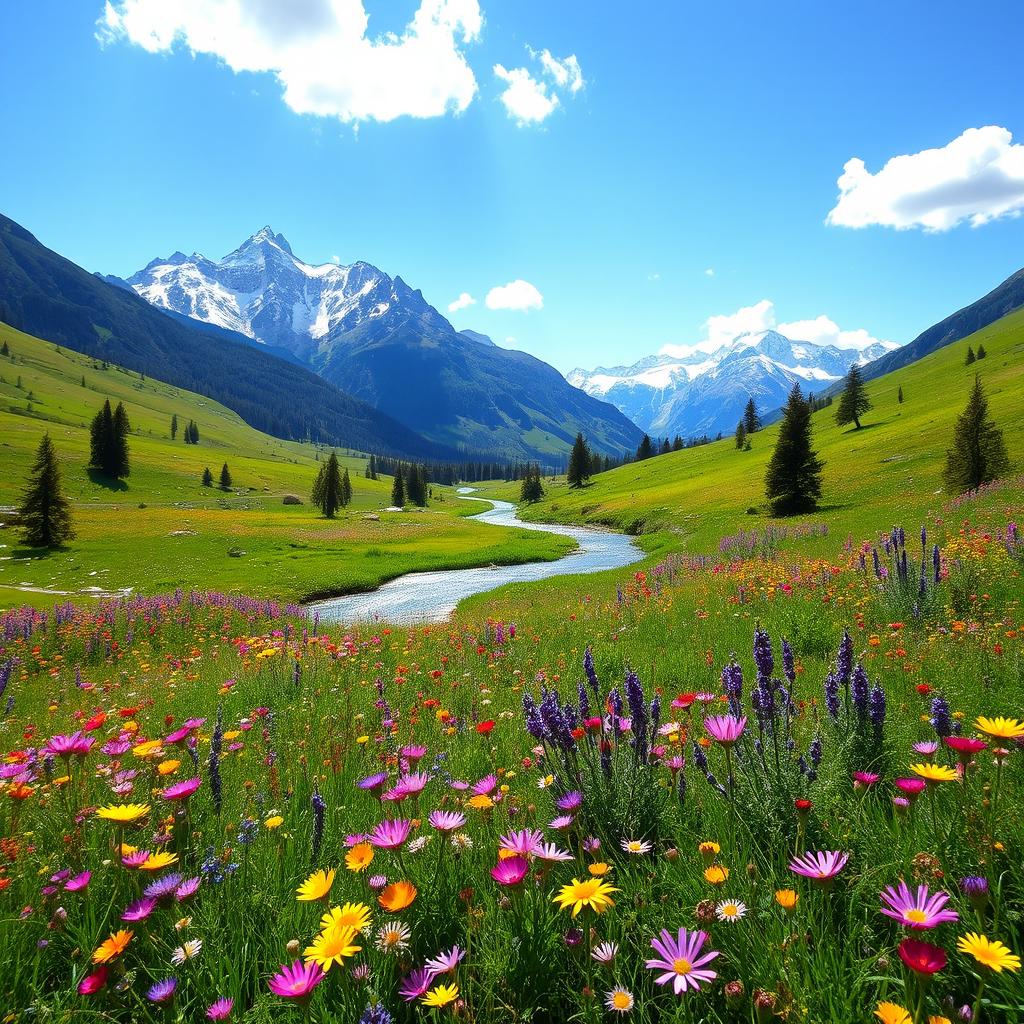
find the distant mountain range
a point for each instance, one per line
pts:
(704, 392)
(50, 297)
(378, 339)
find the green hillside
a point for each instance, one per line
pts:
(894, 463)
(161, 529)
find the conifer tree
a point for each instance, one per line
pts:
(532, 489)
(207, 477)
(854, 401)
(415, 488)
(327, 490)
(45, 513)
(677, 444)
(666, 447)
(174, 426)
(978, 454)
(119, 452)
(793, 479)
(981, 352)
(970, 356)
(741, 434)
(751, 418)
(398, 488)
(899, 394)
(101, 434)
(645, 449)
(578, 472)
(346, 489)
(5, 349)
(225, 478)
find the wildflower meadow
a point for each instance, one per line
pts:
(752, 786)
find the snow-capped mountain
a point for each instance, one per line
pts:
(262, 290)
(704, 392)
(378, 339)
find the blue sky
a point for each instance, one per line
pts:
(684, 138)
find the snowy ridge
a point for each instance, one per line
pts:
(704, 392)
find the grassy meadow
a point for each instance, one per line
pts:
(771, 773)
(160, 529)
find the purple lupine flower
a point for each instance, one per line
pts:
(859, 690)
(844, 662)
(591, 672)
(732, 685)
(941, 717)
(216, 743)
(815, 751)
(763, 657)
(376, 1014)
(788, 662)
(876, 563)
(700, 758)
(876, 708)
(534, 722)
(319, 806)
(581, 692)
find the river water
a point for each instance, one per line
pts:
(432, 596)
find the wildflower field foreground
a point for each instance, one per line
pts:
(747, 787)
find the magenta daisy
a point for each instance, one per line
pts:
(447, 821)
(821, 866)
(181, 790)
(510, 871)
(415, 984)
(445, 963)
(221, 1009)
(916, 910)
(67, 746)
(485, 785)
(725, 729)
(78, 882)
(389, 835)
(139, 910)
(681, 961)
(296, 981)
(524, 842)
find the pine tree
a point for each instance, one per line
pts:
(979, 452)
(174, 426)
(666, 447)
(207, 477)
(677, 444)
(645, 450)
(398, 489)
(327, 490)
(346, 489)
(793, 479)
(45, 512)
(415, 488)
(5, 349)
(578, 472)
(970, 356)
(101, 438)
(532, 489)
(854, 401)
(119, 465)
(751, 419)
(373, 467)
(899, 394)
(741, 434)
(981, 352)
(225, 478)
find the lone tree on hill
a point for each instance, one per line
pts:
(327, 489)
(578, 472)
(899, 395)
(979, 452)
(45, 512)
(793, 479)
(645, 450)
(970, 356)
(398, 489)
(532, 489)
(207, 477)
(751, 419)
(981, 352)
(108, 441)
(741, 434)
(225, 478)
(854, 401)
(174, 426)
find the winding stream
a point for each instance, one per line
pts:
(432, 596)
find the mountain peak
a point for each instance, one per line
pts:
(267, 236)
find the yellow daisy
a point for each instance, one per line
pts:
(991, 953)
(359, 857)
(123, 814)
(716, 874)
(332, 946)
(892, 1013)
(351, 915)
(316, 887)
(441, 995)
(158, 861)
(933, 773)
(592, 893)
(1000, 728)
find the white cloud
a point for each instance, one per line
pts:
(530, 99)
(978, 177)
(722, 329)
(464, 301)
(336, 259)
(320, 50)
(518, 295)
(710, 272)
